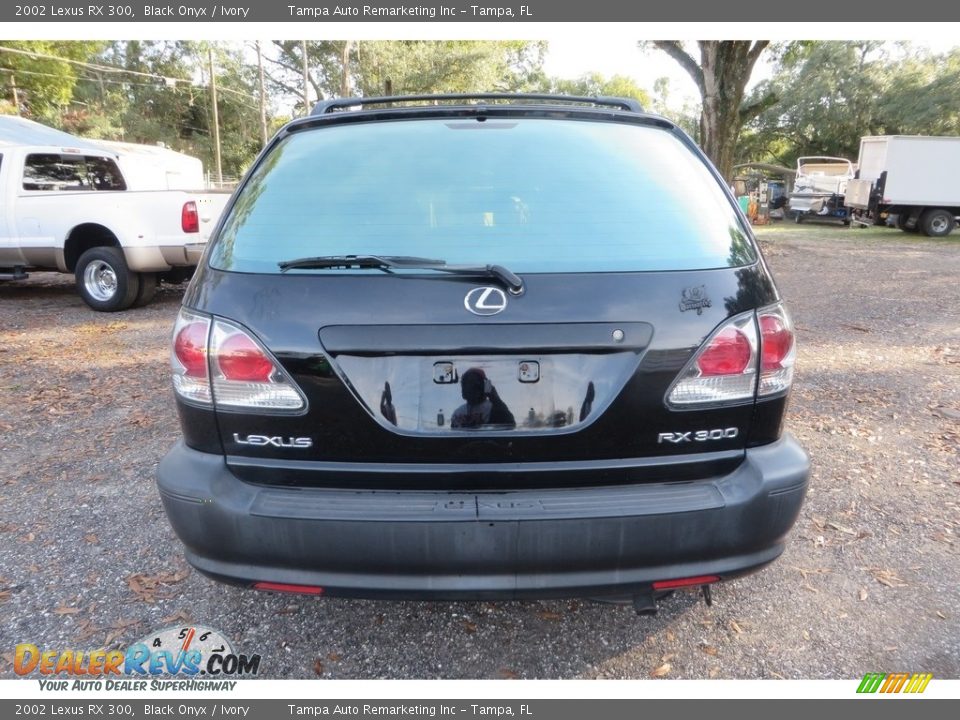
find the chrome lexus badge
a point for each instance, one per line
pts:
(485, 301)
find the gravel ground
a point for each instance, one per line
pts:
(870, 580)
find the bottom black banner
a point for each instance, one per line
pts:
(785, 709)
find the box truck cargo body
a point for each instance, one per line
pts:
(916, 178)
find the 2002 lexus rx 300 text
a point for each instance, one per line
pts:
(485, 347)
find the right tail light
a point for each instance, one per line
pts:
(750, 355)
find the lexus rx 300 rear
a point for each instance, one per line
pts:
(482, 349)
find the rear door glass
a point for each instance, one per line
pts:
(534, 195)
(55, 172)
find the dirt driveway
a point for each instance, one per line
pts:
(869, 582)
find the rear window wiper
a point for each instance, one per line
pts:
(399, 262)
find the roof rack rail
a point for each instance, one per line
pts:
(328, 106)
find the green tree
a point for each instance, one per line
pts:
(595, 84)
(377, 67)
(834, 93)
(721, 76)
(44, 83)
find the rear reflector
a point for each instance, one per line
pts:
(287, 588)
(685, 582)
(190, 218)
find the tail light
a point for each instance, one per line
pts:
(750, 355)
(216, 362)
(724, 370)
(188, 361)
(190, 218)
(778, 351)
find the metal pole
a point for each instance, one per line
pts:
(263, 98)
(306, 79)
(216, 117)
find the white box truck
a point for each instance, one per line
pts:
(66, 205)
(915, 177)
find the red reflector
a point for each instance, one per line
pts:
(240, 359)
(727, 354)
(190, 347)
(287, 588)
(685, 582)
(775, 341)
(190, 218)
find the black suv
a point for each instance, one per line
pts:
(487, 346)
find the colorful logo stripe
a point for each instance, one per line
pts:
(894, 682)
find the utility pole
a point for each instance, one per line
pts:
(216, 117)
(263, 98)
(306, 79)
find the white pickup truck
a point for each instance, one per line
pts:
(65, 205)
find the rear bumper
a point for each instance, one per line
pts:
(589, 542)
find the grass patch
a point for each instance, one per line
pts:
(828, 232)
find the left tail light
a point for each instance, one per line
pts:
(190, 217)
(217, 362)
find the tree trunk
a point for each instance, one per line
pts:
(721, 76)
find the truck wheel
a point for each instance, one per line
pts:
(148, 288)
(798, 218)
(104, 281)
(937, 222)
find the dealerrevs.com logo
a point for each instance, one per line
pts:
(200, 658)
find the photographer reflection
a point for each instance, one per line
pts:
(386, 404)
(483, 407)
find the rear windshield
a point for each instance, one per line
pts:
(533, 195)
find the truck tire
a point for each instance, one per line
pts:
(902, 223)
(937, 222)
(148, 288)
(104, 281)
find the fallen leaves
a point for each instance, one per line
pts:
(735, 626)
(887, 577)
(508, 674)
(661, 671)
(150, 588)
(863, 595)
(64, 610)
(469, 627)
(318, 667)
(710, 650)
(180, 616)
(550, 615)
(120, 628)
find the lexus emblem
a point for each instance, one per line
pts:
(485, 301)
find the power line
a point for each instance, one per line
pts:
(170, 81)
(93, 66)
(130, 82)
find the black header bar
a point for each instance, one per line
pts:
(459, 11)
